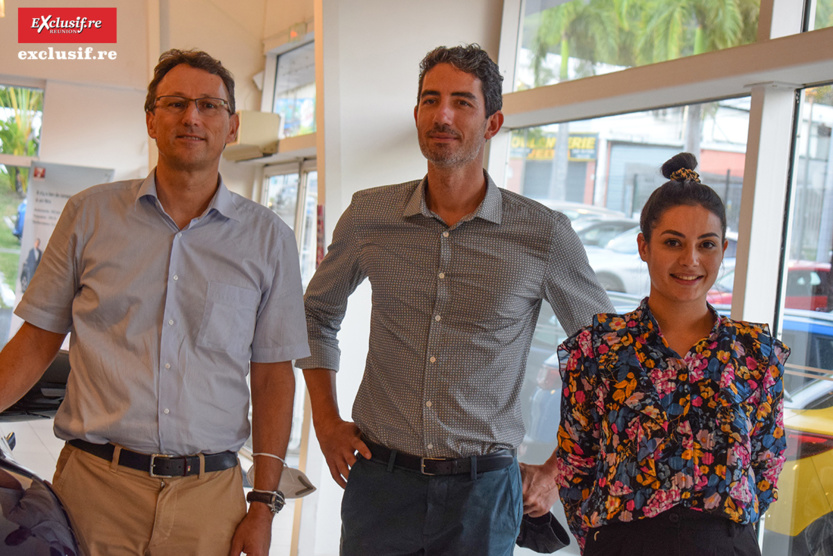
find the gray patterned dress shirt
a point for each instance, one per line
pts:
(453, 312)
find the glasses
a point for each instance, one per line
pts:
(207, 106)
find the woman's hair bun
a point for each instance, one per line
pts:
(680, 161)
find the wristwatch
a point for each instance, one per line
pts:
(275, 500)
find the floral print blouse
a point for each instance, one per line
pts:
(644, 430)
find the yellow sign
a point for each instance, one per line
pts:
(581, 147)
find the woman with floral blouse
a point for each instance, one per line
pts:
(671, 436)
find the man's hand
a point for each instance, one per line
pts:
(540, 489)
(254, 534)
(340, 440)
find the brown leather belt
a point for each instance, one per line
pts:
(159, 465)
(442, 466)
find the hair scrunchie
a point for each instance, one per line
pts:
(684, 174)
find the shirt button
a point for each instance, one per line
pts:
(171, 322)
(176, 277)
(441, 275)
(430, 446)
(167, 365)
(428, 404)
(166, 411)
(438, 318)
(432, 359)
(179, 235)
(445, 234)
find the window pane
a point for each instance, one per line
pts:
(282, 196)
(600, 172)
(561, 41)
(295, 91)
(21, 114)
(822, 16)
(800, 521)
(309, 229)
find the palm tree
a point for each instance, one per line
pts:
(675, 28)
(20, 110)
(585, 34)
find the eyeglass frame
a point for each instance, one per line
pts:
(223, 102)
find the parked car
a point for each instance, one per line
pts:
(800, 523)
(33, 521)
(808, 287)
(619, 268)
(579, 211)
(600, 232)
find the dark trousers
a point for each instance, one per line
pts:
(675, 532)
(388, 511)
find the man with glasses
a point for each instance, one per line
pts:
(174, 290)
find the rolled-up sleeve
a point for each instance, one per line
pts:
(325, 301)
(570, 285)
(578, 433)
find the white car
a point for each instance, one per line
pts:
(619, 268)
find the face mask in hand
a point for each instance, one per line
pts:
(294, 483)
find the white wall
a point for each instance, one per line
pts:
(92, 108)
(231, 32)
(371, 51)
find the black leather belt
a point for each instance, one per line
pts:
(160, 465)
(442, 466)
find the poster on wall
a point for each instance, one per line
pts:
(50, 186)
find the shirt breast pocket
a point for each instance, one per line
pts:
(228, 323)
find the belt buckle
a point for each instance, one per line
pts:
(153, 462)
(422, 465)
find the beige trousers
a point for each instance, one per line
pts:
(117, 511)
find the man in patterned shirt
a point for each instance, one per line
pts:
(458, 269)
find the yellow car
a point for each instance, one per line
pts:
(800, 523)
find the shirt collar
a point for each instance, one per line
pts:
(490, 209)
(222, 202)
(646, 319)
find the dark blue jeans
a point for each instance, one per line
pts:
(403, 513)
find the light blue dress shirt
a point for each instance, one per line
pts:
(165, 321)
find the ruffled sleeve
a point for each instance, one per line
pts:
(768, 440)
(578, 433)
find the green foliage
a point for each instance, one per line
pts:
(824, 15)
(21, 109)
(628, 33)
(674, 28)
(9, 245)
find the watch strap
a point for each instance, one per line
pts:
(275, 500)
